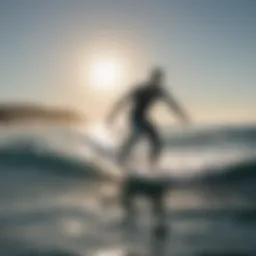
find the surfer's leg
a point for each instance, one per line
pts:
(155, 141)
(126, 149)
(129, 144)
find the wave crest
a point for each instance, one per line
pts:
(27, 156)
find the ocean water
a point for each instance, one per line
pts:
(56, 200)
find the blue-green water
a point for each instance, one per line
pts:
(54, 201)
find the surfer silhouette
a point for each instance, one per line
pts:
(142, 98)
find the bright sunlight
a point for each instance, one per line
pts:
(105, 74)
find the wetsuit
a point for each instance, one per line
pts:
(143, 98)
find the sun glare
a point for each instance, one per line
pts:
(105, 74)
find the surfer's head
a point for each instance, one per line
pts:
(157, 76)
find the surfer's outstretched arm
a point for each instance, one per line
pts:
(176, 107)
(118, 106)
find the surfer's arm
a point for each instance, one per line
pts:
(175, 107)
(118, 106)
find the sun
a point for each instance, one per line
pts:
(105, 74)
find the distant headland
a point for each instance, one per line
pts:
(35, 113)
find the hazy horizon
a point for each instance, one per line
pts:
(206, 47)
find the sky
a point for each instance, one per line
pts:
(207, 47)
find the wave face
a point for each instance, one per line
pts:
(222, 153)
(25, 156)
(244, 171)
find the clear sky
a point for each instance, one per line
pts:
(208, 48)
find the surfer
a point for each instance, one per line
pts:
(142, 98)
